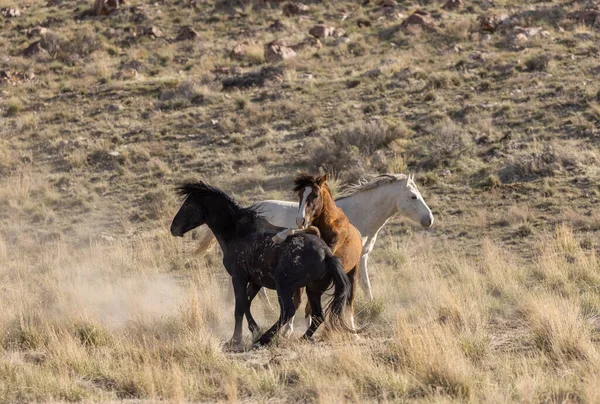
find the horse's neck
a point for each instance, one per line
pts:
(329, 214)
(371, 209)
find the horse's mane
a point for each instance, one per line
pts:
(304, 180)
(250, 214)
(364, 185)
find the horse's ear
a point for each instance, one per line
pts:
(321, 180)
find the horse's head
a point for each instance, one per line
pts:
(191, 214)
(411, 204)
(310, 190)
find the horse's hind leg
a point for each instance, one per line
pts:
(251, 292)
(288, 329)
(316, 310)
(286, 304)
(363, 274)
(353, 277)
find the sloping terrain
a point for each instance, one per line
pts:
(495, 105)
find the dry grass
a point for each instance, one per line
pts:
(497, 303)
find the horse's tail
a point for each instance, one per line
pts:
(341, 292)
(206, 240)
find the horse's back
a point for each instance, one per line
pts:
(279, 213)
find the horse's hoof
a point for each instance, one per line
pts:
(233, 345)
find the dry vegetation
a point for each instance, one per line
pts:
(499, 302)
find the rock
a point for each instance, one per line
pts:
(363, 23)
(10, 12)
(187, 34)
(240, 50)
(590, 17)
(107, 7)
(419, 18)
(321, 31)
(153, 31)
(338, 33)
(291, 9)
(261, 78)
(114, 108)
(277, 26)
(490, 23)
(309, 42)
(452, 5)
(389, 10)
(521, 35)
(37, 31)
(372, 73)
(403, 74)
(277, 51)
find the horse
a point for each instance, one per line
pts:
(317, 208)
(254, 261)
(369, 205)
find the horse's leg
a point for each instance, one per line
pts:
(307, 315)
(314, 298)
(288, 329)
(240, 284)
(251, 292)
(353, 277)
(286, 304)
(363, 272)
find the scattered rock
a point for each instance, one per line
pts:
(277, 51)
(491, 22)
(521, 35)
(114, 108)
(187, 34)
(152, 31)
(591, 17)
(107, 7)
(403, 74)
(240, 50)
(321, 31)
(389, 9)
(10, 12)
(14, 78)
(419, 18)
(363, 23)
(452, 5)
(372, 73)
(37, 31)
(277, 26)
(309, 42)
(291, 9)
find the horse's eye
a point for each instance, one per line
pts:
(414, 197)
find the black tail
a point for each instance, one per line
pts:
(336, 307)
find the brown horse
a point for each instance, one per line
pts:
(318, 209)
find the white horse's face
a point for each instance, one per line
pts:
(411, 204)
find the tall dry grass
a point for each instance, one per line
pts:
(143, 318)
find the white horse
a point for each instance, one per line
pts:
(369, 205)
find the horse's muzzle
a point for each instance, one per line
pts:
(427, 222)
(175, 231)
(301, 222)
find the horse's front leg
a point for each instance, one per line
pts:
(251, 292)
(241, 302)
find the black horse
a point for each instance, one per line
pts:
(253, 260)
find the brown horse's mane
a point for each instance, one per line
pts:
(304, 180)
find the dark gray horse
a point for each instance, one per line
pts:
(253, 260)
